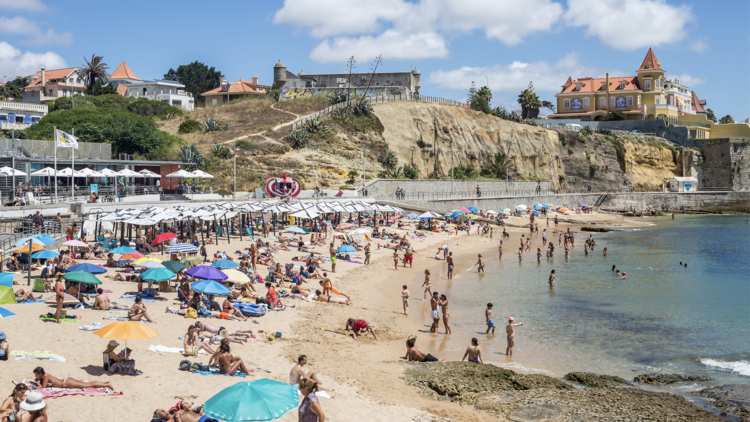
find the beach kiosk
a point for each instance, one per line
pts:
(683, 184)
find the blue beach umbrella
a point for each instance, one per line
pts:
(123, 250)
(472, 209)
(4, 313)
(45, 238)
(225, 263)
(157, 274)
(546, 205)
(26, 241)
(259, 400)
(182, 248)
(412, 215)
(210, 287)
(45, 254)
(346, 248)
(206, 272)
(458, 212)
(295, 229)
(89, 268)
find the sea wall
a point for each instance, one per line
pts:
(429, 189)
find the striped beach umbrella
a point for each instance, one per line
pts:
(182, 248)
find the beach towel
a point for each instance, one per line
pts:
(90, 327)
(215, 371)
(31, 301)
(22, 354)
(48, 318)
(132, 299)
(51, 393)
(122, 318)
(165, 349)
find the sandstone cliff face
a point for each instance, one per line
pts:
(423, 135)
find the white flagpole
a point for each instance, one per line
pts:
(56, 140)
(73, 170)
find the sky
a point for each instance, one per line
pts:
(504, 44)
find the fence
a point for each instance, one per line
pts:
(429, 196)
(381, 99)
(13, 230)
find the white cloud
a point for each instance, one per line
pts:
(391, 44)
(515, 76)
(14, 62)
(632, 24)
(27, 5)
(422, 25)
(699, 46)
(688, 79)
(24, 27)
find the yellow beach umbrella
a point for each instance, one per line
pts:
(126, 330)
(236, 276)
(146, 258)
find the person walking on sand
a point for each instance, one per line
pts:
(500, 251)
(405, 300)
(396, 259)
(427, 286)
(59, 297)
(435, 305)
(480, 263)
(332, 254)
(450, 265)
(408, 256)
(443, 302)
(488, 317)
(367, 253)
(510, 330)
(552, 278)
(473, 352)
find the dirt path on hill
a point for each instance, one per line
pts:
(275, 128)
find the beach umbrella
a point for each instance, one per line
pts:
(45, 254)
(164, 236)
(462, 218)
(126, 330)
(4, 313)
(47, 171)
(259, 400)
(87, 172)
(344, 226)
(7, 171)
(149, 174)
(45, 238)
(67, 300)
(563, 210)
(346, 248)
(132, 256)
(174, 266)
(128, 173)
(295, 229)
(182, 248)
(521, 207)
(503, 212)
(76, 243)
(123, 249)
(458, 212)
(82, 277)
(412, 215)
(147, 258)
(491, 212)
(225, 263)
(507, 210)
(89, 268)
(537, 207)
(582, 205)
(157, 274)
(473, 209)
(200, 175)
(466, 210)
(206, 272)
(24, 248)
(472, 216)
(546, 205)
(180, 174)
(429, 214)
(149, 264)
(236, 276)
(26, 240)
(210, 287)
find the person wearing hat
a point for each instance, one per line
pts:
(35, 405)
(120, 363)
(4, 347)
(510, 330)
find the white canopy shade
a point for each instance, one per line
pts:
(180, 173)
(128, 173)
(7, 171)
(106, 172)
(149, 174)
(200, 174)
(47, 171)
(429, 214)
(306, 214)
(67, 172)
(87, 172)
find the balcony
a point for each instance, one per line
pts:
(13, 126)
(8, 105)
(694, 124)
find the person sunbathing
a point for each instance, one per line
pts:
(111, 260)
(102, 303)
(191, 339)
(181, 416)
(266, 260)
(228, 364)
(298, 290)
(207, 329)
(124, 277)
(23, 296)
(45, 380)
(139, 311)
(327, 299)
(415, 354)
(231, 310)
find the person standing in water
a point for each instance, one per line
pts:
(488, 317)
(427, 286)
(510, 331)
(450, 265)
(480, 263)
(443, 302)
(500, 251)
(435, 305)
(552, 278)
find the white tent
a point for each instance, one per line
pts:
(149, 174)
(180, 173)
(200, 175)
(128, 173)
(683, 184)
(47, 171)
(7, 171)
(87, 172)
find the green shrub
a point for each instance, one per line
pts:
(570, 150)
(146, 107)
(410, 172)
(561, 178)
(586, 130)
(593, 167)
(389, 160)
(190, 126)
(588, 156)
(582, 139)
(212, 125)
(620, 151)
(298, 138)
(602, 130)
(222, 151)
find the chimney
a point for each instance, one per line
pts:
(255, 80)
(44, 81)
(607, 91)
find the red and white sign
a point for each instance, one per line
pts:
(282, 187)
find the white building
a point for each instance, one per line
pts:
(19, 116)
(49, 85)
(170, 92)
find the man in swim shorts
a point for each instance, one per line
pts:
(415, 354)
(435, 305)
(450, 265)
(408, 256)
(488, 317)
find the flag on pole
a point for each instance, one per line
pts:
(65, 140)
(367, 238)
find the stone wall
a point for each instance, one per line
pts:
(383, 188)
(86, 150)
(727, 163)
(657, 126)
(740, 153)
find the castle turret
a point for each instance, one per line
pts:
(417, 80)
(279, 74)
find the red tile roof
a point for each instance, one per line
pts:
(122, 89)
(123, 72)
(51, 74)
(568, 82)
(594, 85)
(697, 104)
(239, 86)
(650, 62)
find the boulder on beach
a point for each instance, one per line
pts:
(666, 379)
(734, 399)
(536, 413)
(595, 380)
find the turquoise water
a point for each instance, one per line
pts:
(663, 318)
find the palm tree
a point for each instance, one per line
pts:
(95, 68)
(530, 103)
(498, 164)
(726, 119)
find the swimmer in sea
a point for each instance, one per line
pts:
(624, 276)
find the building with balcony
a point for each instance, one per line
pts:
(19, 116)
(647, 95)
(229, 91)
(49, 85)
(170, 92)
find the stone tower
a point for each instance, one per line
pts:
(279, 74)
(417, 77)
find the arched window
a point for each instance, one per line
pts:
(658, 100)
(656, 84)
(648, 84)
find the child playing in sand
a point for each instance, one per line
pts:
(510, 330)
(480, 263)
(405, 300)
(488, 317)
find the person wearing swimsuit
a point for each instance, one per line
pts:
(473, 352)
(45, 380)
(13, 402)
(60, 297)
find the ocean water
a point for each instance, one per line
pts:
(663, 318)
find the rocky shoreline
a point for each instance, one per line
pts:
(526, 398)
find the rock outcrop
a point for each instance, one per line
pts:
(596, 381)
(666, 379)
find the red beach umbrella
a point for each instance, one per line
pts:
(466, 210)
(162, 237)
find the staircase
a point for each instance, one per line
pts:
(602, 199)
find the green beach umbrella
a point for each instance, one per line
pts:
(157, 274)
(259, 400)
(174, 266)
(462, 218)
(82, 277)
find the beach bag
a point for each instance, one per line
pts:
(185, 365)
(191, 313)
(124, 367)
(191, 350)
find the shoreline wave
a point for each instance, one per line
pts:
(741, 367)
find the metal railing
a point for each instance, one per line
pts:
(429, 196)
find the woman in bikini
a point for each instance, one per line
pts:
(45, 380)
(139, 311)
(59, 296)
(13, 402)
(427, 286)
(473, 352)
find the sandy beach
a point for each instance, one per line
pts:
(363, 376)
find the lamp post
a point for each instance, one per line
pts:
(234, 164)
(632, 186)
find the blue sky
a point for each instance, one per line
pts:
(451, 42)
